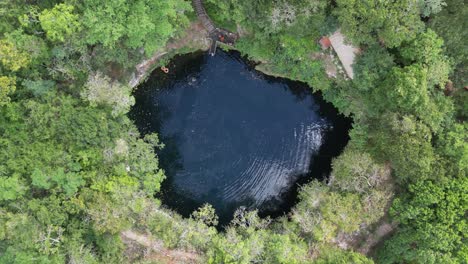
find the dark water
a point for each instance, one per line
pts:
(235, 137)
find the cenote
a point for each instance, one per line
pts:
(234, 136)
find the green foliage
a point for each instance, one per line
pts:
(389, 22)
(101, 90)
(323, 213)
(206, 214)
(75, 162)
(248, 240)
(59, 22)
(332, 255)
(57, 181)
(39, 87)
(371, 67)
(452, 26)
(74, 174)
(283, 249)
(111, 247)
(355, 171)
(412, 89)
(452, 145)
(7, 87)
(433, 224)
(429, 7)
(136, 24)
(11, 57)
(426, 49)
(406, 143)
(406, 88)
(283, 36)
(9, 12)
(22, 53)
(11, 188)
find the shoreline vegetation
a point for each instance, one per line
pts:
(77, 181)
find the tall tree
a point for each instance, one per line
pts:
(451, 24)
(390, 22)
(7, 86)
(142, 23)
(433, 224)
(59, 22)
(430, 7)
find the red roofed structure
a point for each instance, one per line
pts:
(325, 43)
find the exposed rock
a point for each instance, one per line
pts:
(195, 37)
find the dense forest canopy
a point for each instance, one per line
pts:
(76, 177)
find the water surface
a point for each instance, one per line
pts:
(235, 137)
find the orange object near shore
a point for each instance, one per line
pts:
(325, 42)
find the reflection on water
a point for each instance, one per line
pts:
(234, 136)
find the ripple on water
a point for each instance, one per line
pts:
(266, 178)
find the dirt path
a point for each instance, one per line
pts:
(155, 250)
(384, 229)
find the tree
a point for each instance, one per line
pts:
(406, 89)
(356, 172)
(11, 188)
(333, 255)
(244, 240)
(426, 49)
(7, 86)
(206, 214)
(452, 144)
(9, 12)
(430, 7)
(248, 239)
(281, 248)
(322, 213)
(391, 22)
(59, 22)
(142, 23)
(75, 172)
(433, 223)
(54, 174)
(11, 57)
(19, 50)
(101, 90)
(39, 87)
(452, 26)
(58, 181)
(371, 67)
(406, 143)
